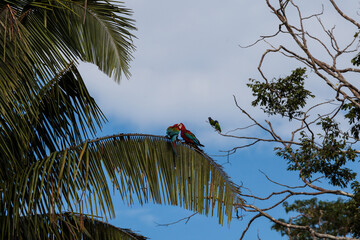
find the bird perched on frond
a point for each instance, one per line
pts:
(189, 137)
(173, 132)
(215, 124)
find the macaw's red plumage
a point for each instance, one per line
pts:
(188, 136)
(173, 132)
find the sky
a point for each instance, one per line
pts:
(188, 66)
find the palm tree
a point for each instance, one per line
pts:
(55, 176)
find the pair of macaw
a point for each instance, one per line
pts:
(173, 131)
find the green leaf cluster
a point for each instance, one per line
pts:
(328, 157)
(353, 116)
(356, 60)
(338, 218)
(284, 96)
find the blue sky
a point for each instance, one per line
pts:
(187, 67)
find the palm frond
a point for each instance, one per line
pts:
(68, 226)
(66, 114)
(15, 91)
(139, 166)
(39, 39)
(96, 31)
(106, 30)
(59, 114)
(33, 54)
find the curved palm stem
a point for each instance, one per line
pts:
(139, 166)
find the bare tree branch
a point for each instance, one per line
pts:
(248, 225)
(280, 183)
(293, 226)
(236, 129)
(344, 15)
(324, 68)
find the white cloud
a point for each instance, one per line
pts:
(188, 65)
(144, 215)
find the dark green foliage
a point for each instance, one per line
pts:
(327, 158)
(326, 145)
(284, 96)
(325, 153)
(338, 218)
(72, 226)
(356, 60)
(354, 206)
(353, 116)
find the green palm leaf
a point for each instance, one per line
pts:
(45, 106)
(69, 226)
(141, 167)
(93, 31)
(40, 38)
(36, 45)
(59, 114)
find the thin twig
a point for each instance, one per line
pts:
(236, 129)
(172, 223)
(296, 187)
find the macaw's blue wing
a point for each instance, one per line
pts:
(189, 137)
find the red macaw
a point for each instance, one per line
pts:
(173, 132)
(188, 136)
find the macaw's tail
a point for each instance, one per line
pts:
(197, 142)
(173, 145)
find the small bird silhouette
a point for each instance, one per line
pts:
(215, 124)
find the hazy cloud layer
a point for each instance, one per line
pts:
(187, 67)
(188, 63)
